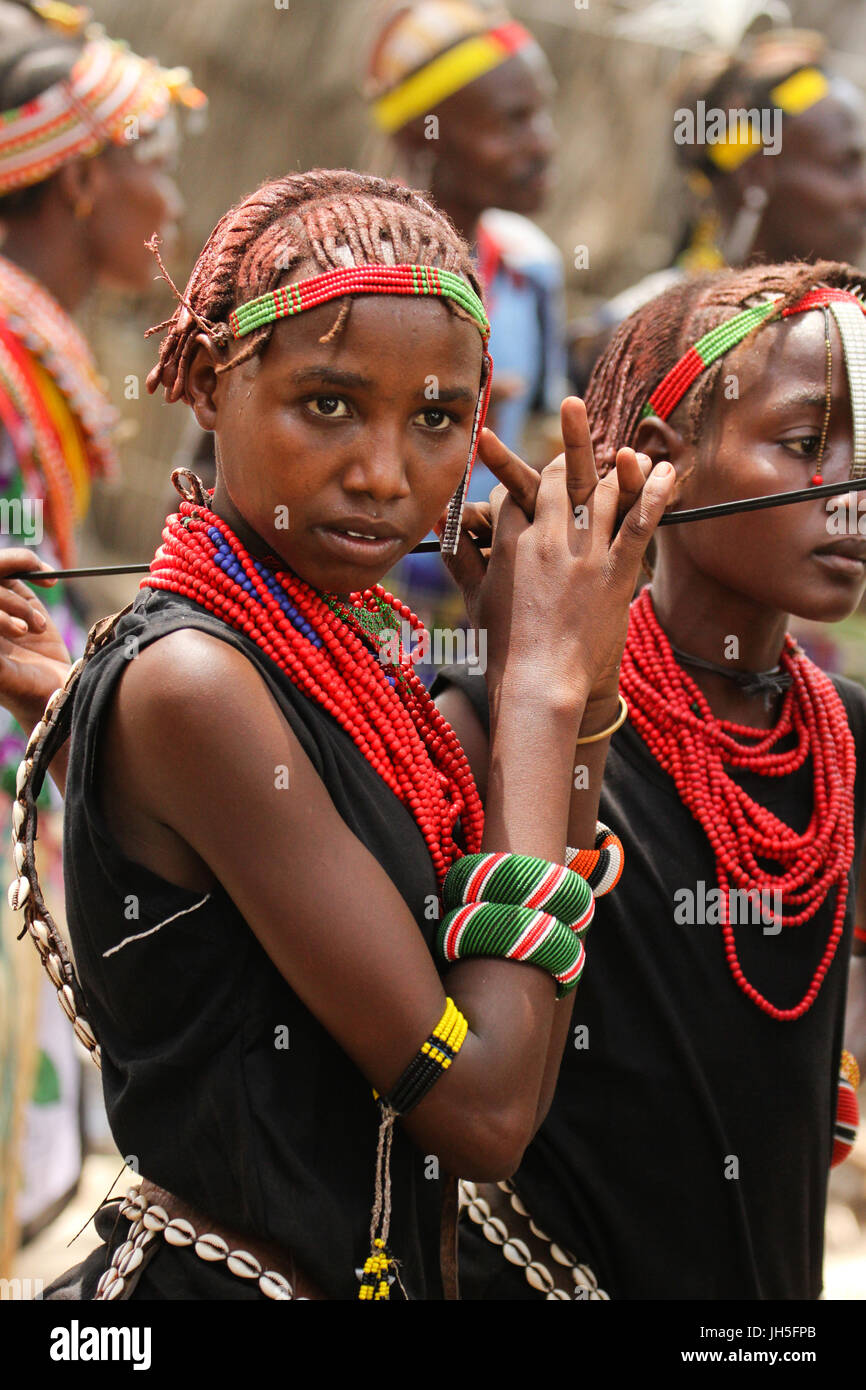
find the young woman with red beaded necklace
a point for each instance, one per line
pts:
(687, 1150)
(261, 811)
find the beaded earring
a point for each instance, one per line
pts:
(816, 478)
(454, 515)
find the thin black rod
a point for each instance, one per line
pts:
(757, 504)
(745, 504)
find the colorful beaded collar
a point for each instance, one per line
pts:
(848, 312)
(382, 279)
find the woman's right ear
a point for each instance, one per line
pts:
(659, 440)
(663, 443)
(202, 380)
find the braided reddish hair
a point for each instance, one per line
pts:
(331, 216)
(653, 339)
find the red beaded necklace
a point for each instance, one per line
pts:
(396, 726)
(674, 719)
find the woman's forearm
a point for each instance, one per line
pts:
(529, 782)
(587, 771)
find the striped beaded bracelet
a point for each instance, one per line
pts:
(847, 1119)
(602, 865)
(520, 880)
(431, 1061)
(510, 932)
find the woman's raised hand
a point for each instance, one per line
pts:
(34, 660)
(550, 537)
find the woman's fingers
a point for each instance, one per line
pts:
(619, 489)
(20, 609)
(580, 472)
(517, 476)
(16, 558)
(641, 520)
(478, 521)
(467, 566)
(15, 624)
(632, 471)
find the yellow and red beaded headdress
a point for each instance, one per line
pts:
(292, 299)
(800, 91)
(111, 96)
(429, 51)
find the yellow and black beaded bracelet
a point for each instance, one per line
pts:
(431, 1061)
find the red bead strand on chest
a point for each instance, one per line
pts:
(396, 726)
(675, 721)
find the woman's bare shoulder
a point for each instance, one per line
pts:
(188, 705)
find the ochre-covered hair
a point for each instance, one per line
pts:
(651, 341)
(334, 217)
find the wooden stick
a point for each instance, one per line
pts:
(745, 504)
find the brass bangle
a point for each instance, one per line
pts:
(617, 724)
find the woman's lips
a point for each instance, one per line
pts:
(357, 547)
(846, 557)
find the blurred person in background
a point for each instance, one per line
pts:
(464, 94)
(87, 141)
(805, 199)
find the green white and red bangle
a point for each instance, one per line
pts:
(509, 932)
(531, 911)
(520, 880)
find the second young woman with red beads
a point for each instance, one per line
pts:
(707, 1090)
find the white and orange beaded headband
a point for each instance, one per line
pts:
(110, 97)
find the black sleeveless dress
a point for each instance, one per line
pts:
(687, 1150)
(220, 1086)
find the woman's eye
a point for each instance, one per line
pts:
(328, 405)
(435, 419)
(806, 447)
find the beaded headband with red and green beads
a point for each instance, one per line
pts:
(847, 310)
(382, 279)
(358, 279)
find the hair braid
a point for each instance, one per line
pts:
(326, 216)
(652, 340)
